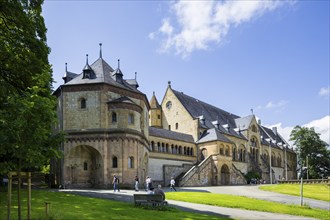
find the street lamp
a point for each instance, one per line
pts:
(270, 160)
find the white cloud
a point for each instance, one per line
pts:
(321, 126)
(325, 91)
(276, 105)
(201, 23)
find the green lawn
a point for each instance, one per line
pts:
(68, 206)
(313, 191)
(246, 203)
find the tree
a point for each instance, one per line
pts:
(312, 150)
(27, 107)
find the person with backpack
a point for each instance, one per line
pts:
(115, 183)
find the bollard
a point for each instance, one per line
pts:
(47, 204)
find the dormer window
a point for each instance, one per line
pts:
(82, 103)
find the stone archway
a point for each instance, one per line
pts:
(225, 175)
(203, 154)
(84, 165)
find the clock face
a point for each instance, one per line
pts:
(168, 104)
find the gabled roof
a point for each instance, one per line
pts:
(154, 102)
(244, 122)
(197, 108)
(269, 133)
(163, 133)
(103, 74)
(212, 135)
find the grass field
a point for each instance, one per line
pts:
(313, 191)
(242, 202)
(68, 206)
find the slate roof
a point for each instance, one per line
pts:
(163, 133)
(122, 99)
(269, 133)
(211, 113)
(104, 73)
(212, 135)
(244, 122)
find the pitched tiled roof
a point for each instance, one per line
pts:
(244, 122)
(211, 113)
(103, 74)
(212, 135)
(163, 133)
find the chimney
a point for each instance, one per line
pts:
(274, 130)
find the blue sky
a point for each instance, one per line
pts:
(269, 56)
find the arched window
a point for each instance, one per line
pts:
(234, 153)
(172, 149)
(114, 162)
(131, 162)
(131, 119)
(227, 151)
(152, 146)
(191, 151)
(176, 126)
(166, 148)
(169, 127)
(114, 117)
(85, 166)
(163, 147)
(82, 103)
(180, 150)
(158, 147)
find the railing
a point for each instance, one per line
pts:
(255, 165)
(305, 181)
(239, 172)
(192, 171)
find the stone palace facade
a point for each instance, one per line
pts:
(112, 129)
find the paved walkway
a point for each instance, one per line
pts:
(249, 191)
(252, 191)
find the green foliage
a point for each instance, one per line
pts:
(251, 175)
(313, 191)
(312, 149)
(242, 202)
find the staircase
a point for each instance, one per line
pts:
(255, 166)
(240, 176)
(265, 162)
(192, 177)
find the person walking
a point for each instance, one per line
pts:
(136, 184)
(115, 183)
(172, 184)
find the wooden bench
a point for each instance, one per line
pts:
(149, 199)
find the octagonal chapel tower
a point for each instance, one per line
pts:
(105, 118)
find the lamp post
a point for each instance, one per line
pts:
(286, 162)
(270, 160)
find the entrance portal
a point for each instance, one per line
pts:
(225, 175)
(84, 164)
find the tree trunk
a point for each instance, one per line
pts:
(19, 190)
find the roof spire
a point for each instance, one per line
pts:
(86, 59)
(66, 70)
(100, 50)
(169, 83)
(135, 75)
(118, 63)
(252, 111)
(153, 93)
